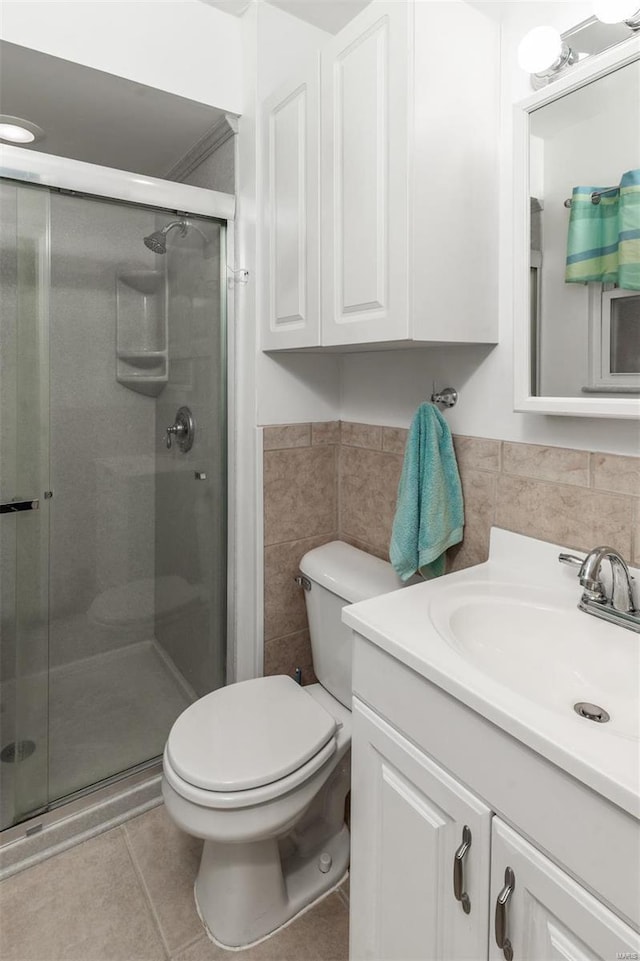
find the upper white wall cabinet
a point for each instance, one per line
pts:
(291, 225)
(407, 183)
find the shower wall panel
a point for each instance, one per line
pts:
(190, 487)
(102, 435)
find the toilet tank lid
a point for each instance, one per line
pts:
(348, 572)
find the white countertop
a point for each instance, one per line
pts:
(409, 624)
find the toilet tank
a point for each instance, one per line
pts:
(339, 574)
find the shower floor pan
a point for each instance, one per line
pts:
(107, 714)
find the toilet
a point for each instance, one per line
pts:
(261, 769)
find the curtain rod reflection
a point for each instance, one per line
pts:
(596, 195)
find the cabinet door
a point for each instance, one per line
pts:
(548, 916)
(408, 817)
(291, 242)
(365, 80)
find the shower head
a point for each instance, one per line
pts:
(157, 241)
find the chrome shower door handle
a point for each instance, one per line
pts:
(501, 914)
(15, 507)
(458, 870)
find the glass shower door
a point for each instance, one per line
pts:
(24, 483)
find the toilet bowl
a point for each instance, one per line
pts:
(260, 769)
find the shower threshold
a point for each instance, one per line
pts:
(82, 815)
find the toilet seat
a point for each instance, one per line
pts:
(247, 736)
(253, 796)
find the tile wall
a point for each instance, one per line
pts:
(339, 480)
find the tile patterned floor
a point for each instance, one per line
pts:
(127, 895)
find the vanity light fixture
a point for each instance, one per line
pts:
(618, 11)
(18, 131)
(543, 53)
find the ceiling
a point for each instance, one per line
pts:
(329, 15)
(97, 117)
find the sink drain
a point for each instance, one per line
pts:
(592, 712)
(17, 751)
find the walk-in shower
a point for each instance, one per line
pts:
(113, 545)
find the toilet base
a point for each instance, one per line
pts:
(240, 902)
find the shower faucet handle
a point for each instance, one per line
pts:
(183, 429)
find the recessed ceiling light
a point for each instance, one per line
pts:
(17, 130)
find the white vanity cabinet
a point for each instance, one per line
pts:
(409, 817)
(407, 185)
(547, 915)
(424, 767)
(408, 824)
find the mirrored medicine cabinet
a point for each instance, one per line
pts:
(577, 199)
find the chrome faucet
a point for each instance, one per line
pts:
(619, 608)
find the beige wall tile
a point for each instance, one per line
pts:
(86, 904)
(479, 491)
(361, 435)
(284, 606)
(477, 453)
(569, 516)
(558, 464)
(326, 432)
(300, 493)
(168, 860)
(282, 655)
(287, 435)
(394, 439)
(383, 553)
(611, 472)
(368, 490)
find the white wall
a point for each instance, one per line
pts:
(387, 387)
(267, 390)
(182, 46)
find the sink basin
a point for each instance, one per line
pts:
(506, 639)
(534, 643)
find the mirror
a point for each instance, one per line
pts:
(579, 275)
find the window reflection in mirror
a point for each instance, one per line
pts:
(585, 317)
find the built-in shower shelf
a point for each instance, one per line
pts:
(142, 355)
(142, 358)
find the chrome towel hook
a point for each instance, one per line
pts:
(445, 398)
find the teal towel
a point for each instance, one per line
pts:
(429, 513)
(603, 242)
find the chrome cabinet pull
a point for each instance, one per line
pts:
(14, 507)
(501, 914)
(458, 871)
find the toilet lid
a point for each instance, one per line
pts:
(248, 734)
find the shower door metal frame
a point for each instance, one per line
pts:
(93, 181)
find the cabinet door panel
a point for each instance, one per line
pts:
(291, 143)
(549, 916)
(365, 168)
(408, 819)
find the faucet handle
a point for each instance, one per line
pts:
(572, 559)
